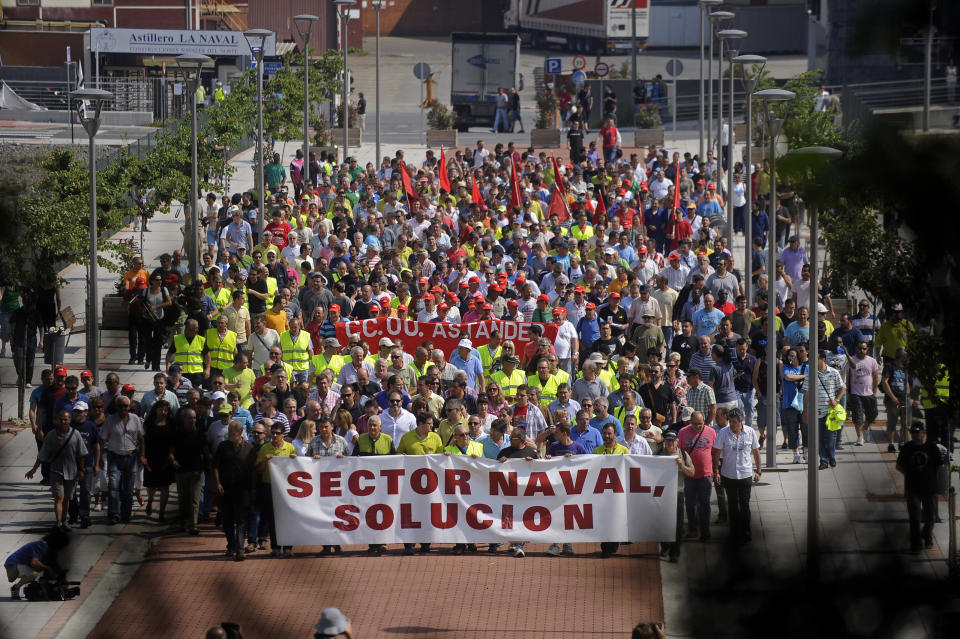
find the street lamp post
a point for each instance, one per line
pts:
(812, 155)
(304, 23)
(89, 115)
(378, 5)
(343, 10)
(715, 18)
(704, 6)
(256, 38)
(192, 62)
(749, 83)
(767, 98)
(731, 38)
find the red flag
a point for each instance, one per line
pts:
(558, 206)
(600, 213)
(514, 187)
(477, 196)
(407, 184)
(676, 189)
(444, 177)
(556, 175)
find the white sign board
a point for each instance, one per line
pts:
(175, 42)
(457, 499)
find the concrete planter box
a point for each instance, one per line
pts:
(643, 138)
(113, 313)
(446, 139)
(545, 138)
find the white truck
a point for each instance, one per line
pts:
(482, 64)
(578, 26)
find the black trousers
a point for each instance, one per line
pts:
(738, 506)
(922, 509)
(235, 508)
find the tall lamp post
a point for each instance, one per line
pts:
(811, 156)
(343, 10)
(193, 62)
(715, 18)
(88, 103)
(704, 7)
(304, 23)
(256, 39)
(378, 5)
(731, 38)
(749, 83)
(768, 98)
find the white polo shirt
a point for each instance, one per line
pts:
(737, 452)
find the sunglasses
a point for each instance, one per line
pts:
(396, 401)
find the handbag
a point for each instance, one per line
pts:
(798, 402)
(836, 415)
(658, 418)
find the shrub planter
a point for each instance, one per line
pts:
(645, 137)
(545, 138)
(113, 313)
(447, 139)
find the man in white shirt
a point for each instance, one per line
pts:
(659, 186)
(736, 466)
(567, 343)
(479, 155)
(396, 421)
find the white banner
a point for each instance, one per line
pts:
(458, 499)
(175, 42)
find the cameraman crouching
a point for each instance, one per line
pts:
(25, 564)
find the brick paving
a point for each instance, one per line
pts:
(185, 586)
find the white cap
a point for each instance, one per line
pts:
(218, 395)
(465, 343)
(81, 406)
(386, 341)
(821, 308)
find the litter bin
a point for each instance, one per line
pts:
(54, 345)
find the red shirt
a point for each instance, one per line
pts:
(609, 136)
(700, 448)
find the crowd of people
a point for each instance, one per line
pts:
(657, 351)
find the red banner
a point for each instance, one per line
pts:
(444, 335)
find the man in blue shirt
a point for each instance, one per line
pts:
(588, 328)
(468, 361)
(564, 446)
(25, 563)
(707, 319)
(588, 436)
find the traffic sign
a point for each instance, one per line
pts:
(579, 62)
(271, 67)
(578, 77)
(674, 67)
(421, 70)
(552, 66)
(601, 69)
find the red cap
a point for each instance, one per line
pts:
(494, 287)
(712, 187)
(615, 296)
(84, 374)
(561, 311)
(443, 305)
(701, 253)
(128, 388)
(402, 307)
(452, 296)
(140, 283)
(428, 296)
(543, 298)
(423, 280)
(701, 181)
(513, 303)
(642, 249)
(464, 285)
(335, 307)
(674, 256)
(520, 279)
(626, 182)
(621, 192)
(487, 306)
(501, 275)
(644, 187)
(591, 305)
(436, 289)
(578, 289)
(474, 280)
(60, 371)
(374, 308)
(172, 278)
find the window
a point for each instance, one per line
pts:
(102, 3)
(28, 3)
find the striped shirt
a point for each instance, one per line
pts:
(700, 398)
(338, 446)
(829, 388)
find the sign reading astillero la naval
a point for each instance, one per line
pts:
(175, 42)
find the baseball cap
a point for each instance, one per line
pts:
(513, 303)
(443, 305)
(686, 414)
(543, 298)
(511, 358)
(218, 395)
(821, 308)
(614, 295)
(128, 388)
(464, 285)
(386, 341)
(578, 289)
(60, 371)
(335, 307)
(712, 187)
(487, 306)
(84, 374)
(428, 296)
(560, 311)
(674, 256)
(896, 307)
(315, 274)
(225, 408)
(670, 435)
(918, 427)
(591, 305)
(332, 341)
(401, 307)
(81, 406)
(374, 308)
(140, 283)
(691, 205)
(465, 343)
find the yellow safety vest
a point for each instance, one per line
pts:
(942, 389)
(620, 412)
(296, 353)
(222, 351)
(561, 376)
(473, 448)
(221, 297)
(548, 389)
(189, 354)
(486, 357)
(286, 367)
(320, 363)
(509, 385)
(271, 290)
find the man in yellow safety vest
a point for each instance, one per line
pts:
(297, 350)
(190, 351)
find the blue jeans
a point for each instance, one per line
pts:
(667, 336)
(609, 154)
(501, 116)
(121, 470)
(746, 404)
(828, 442)
(80, 504)
(301, 376)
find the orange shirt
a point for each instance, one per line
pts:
(130, 278)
